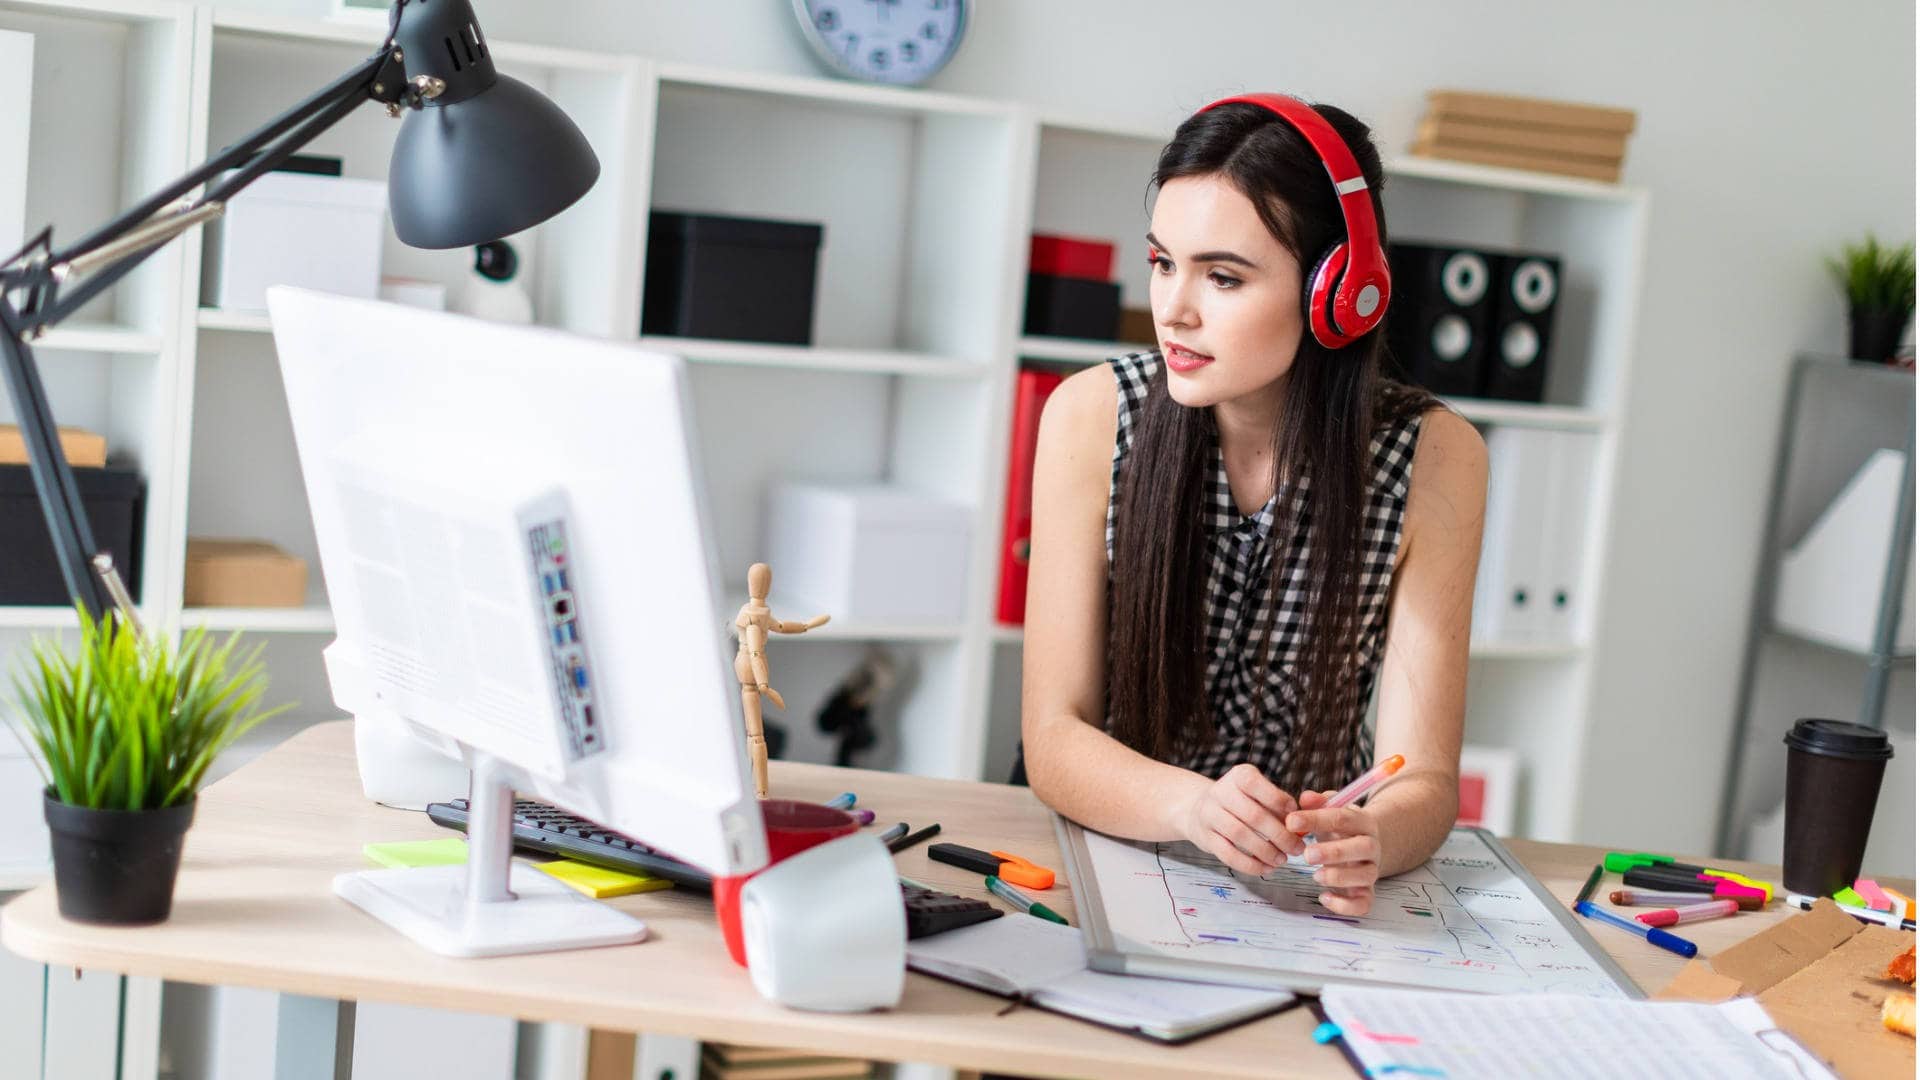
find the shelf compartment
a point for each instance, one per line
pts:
(311, 619)
(85, 337)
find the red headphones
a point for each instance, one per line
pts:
(1348, 289)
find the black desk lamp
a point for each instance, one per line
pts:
(480, 155)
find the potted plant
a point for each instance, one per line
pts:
(1878, 282)
(123, 732)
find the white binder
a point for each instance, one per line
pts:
(1507, 605)
(1563, 557)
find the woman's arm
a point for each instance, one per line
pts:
(1423, 676)
(1074, 766)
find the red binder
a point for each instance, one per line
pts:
(1029, 396)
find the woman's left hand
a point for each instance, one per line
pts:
(1346, 851)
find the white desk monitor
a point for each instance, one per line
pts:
(512, 534)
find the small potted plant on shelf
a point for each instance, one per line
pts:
(123, 732)
(1878, 282)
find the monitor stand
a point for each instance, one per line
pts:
(488, 907)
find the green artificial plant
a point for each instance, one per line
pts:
(131, 722)
(1876, 278)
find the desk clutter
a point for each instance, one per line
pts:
(1567, 138)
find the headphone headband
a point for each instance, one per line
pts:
(1348, 288)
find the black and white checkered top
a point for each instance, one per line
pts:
(1254, 711)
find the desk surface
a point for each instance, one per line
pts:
(254, 907)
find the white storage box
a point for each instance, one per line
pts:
(23, 823)
(867, 554)
(1829, 587)
(316, 232)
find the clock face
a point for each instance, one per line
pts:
(888, 41)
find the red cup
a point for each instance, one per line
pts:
(792, 827)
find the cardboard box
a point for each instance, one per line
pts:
(1820, 976)
(243, 573)
(84, 449)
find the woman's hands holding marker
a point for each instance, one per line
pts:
(1345, 851)
(1240, 820)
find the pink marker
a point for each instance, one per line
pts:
(1870, 891)
(1712, 909)
(1367, 781)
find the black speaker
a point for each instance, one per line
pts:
(1437, 319)
(1526, 290)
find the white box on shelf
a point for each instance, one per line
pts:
(16, 89)
(1830, 581)
(870, 553)
(316, 232)
(23, 825)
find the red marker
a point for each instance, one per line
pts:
(1712, 909)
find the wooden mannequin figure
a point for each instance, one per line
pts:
(752, 626)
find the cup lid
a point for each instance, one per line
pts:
(1838, 738)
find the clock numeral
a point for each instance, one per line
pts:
(827, 19)
(909, 52)
(878, 59)
(852, 43)
(930, 31)
(940, 5)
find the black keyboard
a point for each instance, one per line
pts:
(538, 826)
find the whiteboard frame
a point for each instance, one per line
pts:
(1106, 953)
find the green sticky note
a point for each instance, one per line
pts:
(1848, 896)
(599, 882)
(399, 854)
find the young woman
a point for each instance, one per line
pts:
(1239, 535)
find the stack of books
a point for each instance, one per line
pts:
(719, 1061)
(1525, 133)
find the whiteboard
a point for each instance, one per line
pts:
(1471, 919)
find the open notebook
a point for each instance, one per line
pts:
(1424, 1033)
(1045, 964)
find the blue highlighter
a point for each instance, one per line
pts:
(1673, 943)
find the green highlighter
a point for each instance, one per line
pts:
(1022, 901)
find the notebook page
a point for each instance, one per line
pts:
(1156, 1004)
(1020, 950)
(1422, 1033)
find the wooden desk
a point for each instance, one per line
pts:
(254, 907)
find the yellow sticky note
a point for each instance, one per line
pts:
(598, 881)
(400, 854)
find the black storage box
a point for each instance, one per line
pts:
(29, 570)
(741, 279)
(1072, 307)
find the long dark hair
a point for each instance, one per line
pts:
(1335, 400)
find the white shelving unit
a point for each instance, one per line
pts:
(916, 337)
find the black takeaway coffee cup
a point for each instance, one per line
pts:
(1833, 781)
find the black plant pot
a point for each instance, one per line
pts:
(1875, 334)
(116, 866)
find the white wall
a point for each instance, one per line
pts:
(1768, 133)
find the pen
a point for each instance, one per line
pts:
(1593, 882)
(843, 801)
(894, 833)
(1883, 918)
(897, 846)
(1673, 899)
(1686, 913)
(1025, 903)
(1673, 943)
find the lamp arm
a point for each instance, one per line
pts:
(108, 254)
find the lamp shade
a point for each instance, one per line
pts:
(490, 155)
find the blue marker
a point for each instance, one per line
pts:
(843, 801)
(1326, 1033)
(1671, 942)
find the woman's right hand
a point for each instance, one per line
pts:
(1238, 819)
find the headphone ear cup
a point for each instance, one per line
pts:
(1323, 282)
